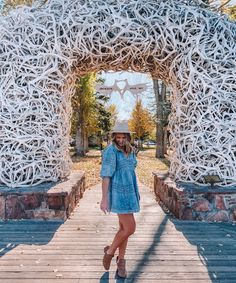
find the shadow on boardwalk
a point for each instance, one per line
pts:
(133, 276)
(216, 247)
(26, 232)
(148, 253)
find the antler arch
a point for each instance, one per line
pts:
(43, 51)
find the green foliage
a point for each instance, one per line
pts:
(104, 116)
(89, 110)
(84, 105)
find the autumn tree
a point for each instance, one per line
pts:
(231, 11)
(84, 118)
(114, 113)
(90, 116)
(141, 122)
(8, 5)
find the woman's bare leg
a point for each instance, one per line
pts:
(128, 228)
(123, 245)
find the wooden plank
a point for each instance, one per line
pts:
(162, 250)
(96, 275)
(151, 257)
(105, 279)
(100, 245)
(99, 268)
(97, 262)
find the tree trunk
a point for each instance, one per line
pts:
(165, 140)
(86, 148)
(160, 141)
(79, 141)
(140, 143)
(159, 97)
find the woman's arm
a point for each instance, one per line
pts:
(105, 187)
(107, 171)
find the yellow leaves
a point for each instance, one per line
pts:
(141, 122)
(114, 113)
(11, 4)
(231, 11)
(147, 163)
(91, 165)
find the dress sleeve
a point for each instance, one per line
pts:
(108, 163)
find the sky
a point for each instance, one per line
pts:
(126, 104)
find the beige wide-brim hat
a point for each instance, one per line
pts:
(121, 127)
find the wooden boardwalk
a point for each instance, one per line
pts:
(162, 250)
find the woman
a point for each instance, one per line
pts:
(119, 192)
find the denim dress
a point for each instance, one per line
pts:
(123, 194)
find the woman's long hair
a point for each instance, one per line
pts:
(127, 147)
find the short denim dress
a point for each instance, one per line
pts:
(123, 194)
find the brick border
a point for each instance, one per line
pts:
(45, 201)
(193, 202)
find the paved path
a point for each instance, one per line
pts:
(162, 250)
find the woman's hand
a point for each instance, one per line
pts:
(104, 205)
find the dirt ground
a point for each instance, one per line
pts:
(147, 163)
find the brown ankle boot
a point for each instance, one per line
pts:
(107, 258)
(121, 271)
